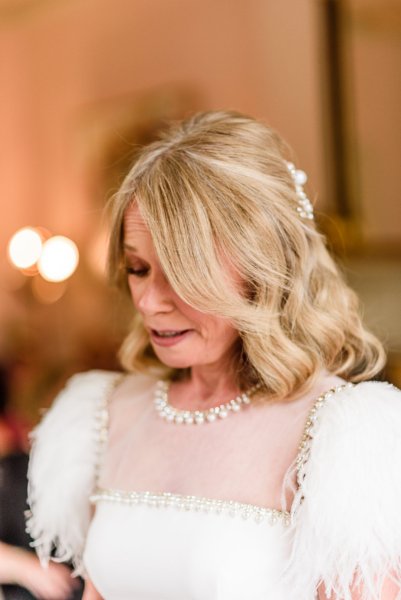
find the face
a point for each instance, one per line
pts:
(199, 339)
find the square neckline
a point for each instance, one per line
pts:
(189, 501)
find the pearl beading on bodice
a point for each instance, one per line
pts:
(195, 504)
(307, 437)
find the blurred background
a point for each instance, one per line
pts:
(83, 81)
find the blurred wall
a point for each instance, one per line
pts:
(68, 60)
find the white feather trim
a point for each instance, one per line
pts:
(63, 467)
(346, 517)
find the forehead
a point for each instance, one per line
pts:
(137, 237)
(134, 222)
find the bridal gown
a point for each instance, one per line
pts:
(151, 510)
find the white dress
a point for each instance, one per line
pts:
(153, 537)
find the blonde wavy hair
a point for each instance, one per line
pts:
(215, 190)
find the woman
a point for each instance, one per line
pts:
(244, 454)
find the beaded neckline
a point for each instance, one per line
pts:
(190, 503)
(198, 417)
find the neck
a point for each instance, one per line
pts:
(206, 386)
(209, 388)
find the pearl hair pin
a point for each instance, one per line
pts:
(305, 207)
(198, 417)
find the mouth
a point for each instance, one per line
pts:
(169, 333)
(169, 337)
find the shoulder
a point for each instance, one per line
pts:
(356, 434)
(368, 413)
(73, 414)
(73, 410)
(80, 411)
(361, 404)
(347, 505)
(353, 451)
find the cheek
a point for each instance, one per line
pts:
(133, 290)
(211, 327)
(229, 335)
(219, 331)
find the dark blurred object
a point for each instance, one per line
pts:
(13, 432)
(13, 492)
(13, 487)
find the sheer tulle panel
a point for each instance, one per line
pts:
(243, 457)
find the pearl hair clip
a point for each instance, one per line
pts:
(304, 208)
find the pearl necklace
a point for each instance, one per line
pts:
(198, 417)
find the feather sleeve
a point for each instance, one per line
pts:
(63, 466)
(346, 515)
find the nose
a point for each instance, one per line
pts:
(153, 295)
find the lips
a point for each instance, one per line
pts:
(169, 337)
(169, 332)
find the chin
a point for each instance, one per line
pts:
(175, 362)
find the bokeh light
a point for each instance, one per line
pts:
(59, 259)
(25, 247)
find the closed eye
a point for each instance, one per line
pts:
(136, 272)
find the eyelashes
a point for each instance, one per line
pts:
(136, 272)
(134, 266)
